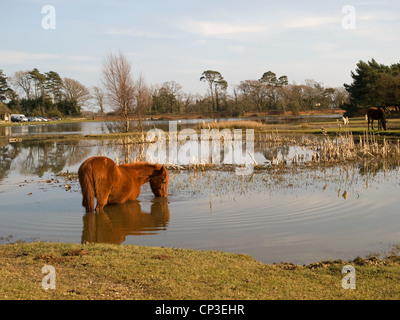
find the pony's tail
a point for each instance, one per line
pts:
(87, 187)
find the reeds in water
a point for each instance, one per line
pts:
(345, 148)
(313, 150)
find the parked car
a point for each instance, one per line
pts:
(18, 118)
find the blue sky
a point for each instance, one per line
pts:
(177, 40)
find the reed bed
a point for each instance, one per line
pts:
(341, 148)
(245, 124)
(323, 150)
(346, 148)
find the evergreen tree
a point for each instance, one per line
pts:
(4, 87)
(374, 85)
(216, 83)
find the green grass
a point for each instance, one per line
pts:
(100, 271)
(357, 126)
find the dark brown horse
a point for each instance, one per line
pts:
(376, 114)
(102, 179)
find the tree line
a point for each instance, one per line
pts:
(269, 94)
(42, 94)
(47, 94)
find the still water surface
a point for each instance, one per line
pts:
(101, 127)
(300, 216)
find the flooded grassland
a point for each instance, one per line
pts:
(308, 198)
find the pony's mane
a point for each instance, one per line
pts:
(140, 164)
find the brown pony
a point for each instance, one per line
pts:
(102, 179)
(376, 114)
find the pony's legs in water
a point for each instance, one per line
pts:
(102, 198)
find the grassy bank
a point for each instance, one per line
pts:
(99, 271)
(357, 126)
(311, 128)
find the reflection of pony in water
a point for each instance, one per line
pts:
(376, 114)
(102, 179)
(117, 221)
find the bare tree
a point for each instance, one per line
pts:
(119, 86)
(175, 90)
(255, 91)
(186, 99)
(75, 91)
(142, 100)
(22, 80)
(98, 96)
(75, 95)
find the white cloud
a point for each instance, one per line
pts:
(377, 15)
(129, 32)
(325, 47)
(237, 49)
(132, 32)
(215, 29)
(312, 22)
(212, 63)
(201, 42)
(377, 26)
(86, 68)
(81, 58)
(21, 57)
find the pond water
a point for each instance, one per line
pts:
(300, 215)
(101, 127)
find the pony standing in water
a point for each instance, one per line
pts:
(102, 179)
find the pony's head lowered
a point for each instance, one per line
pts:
(159, 182)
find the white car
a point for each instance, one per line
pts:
(18, 118)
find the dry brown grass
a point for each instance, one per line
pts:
(245, 124)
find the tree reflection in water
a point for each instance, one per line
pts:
(118, 221)
(30, 157)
